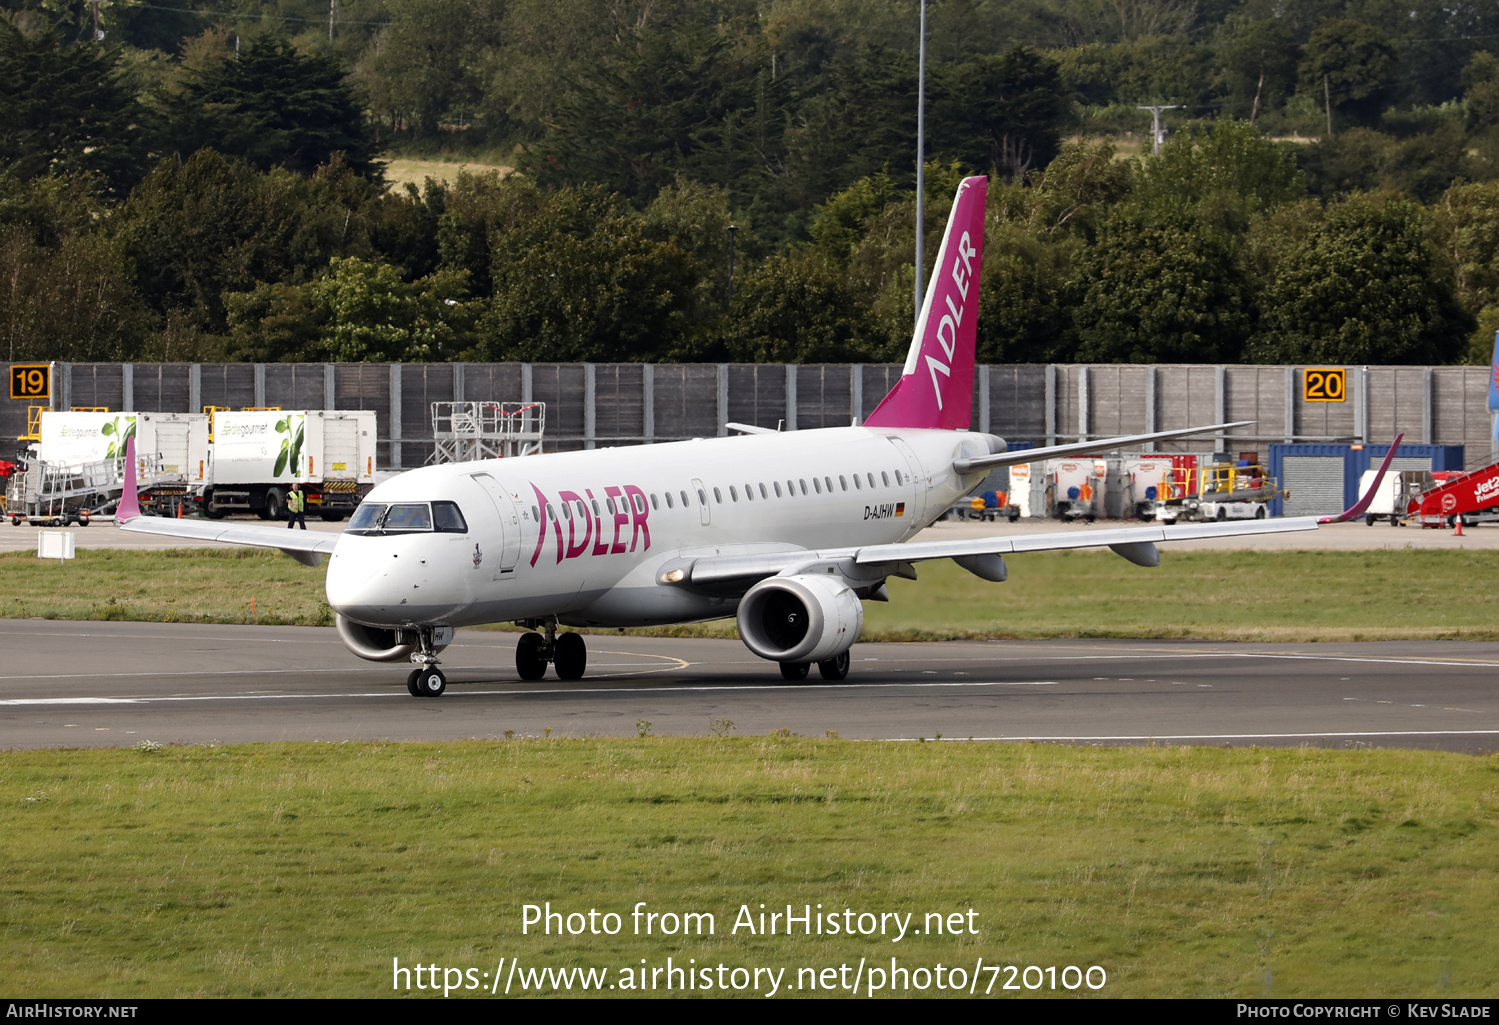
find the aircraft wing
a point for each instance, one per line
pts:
(306, 546)
(979, 555)
(1137, 544)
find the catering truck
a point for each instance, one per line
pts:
(259, 454)
(172, 457)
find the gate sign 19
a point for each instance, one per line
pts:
(1322, 385)
(32, 381)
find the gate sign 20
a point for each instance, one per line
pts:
(30, 382)
(1323, 385)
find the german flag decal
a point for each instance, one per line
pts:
(900, 508)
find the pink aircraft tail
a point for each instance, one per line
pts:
(936, 386)
(129, 507)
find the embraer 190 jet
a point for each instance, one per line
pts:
(788, 532)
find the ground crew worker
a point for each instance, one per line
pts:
(296, 508)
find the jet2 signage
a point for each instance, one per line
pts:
(1324, 385)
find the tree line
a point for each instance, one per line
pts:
(204, 183)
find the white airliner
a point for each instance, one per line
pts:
(788, 532)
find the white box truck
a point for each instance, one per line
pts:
(171, 449)
(259, 454)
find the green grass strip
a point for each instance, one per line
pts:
(1266, 596)
(302, 870)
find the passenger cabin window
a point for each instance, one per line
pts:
(763, 492)
(718, 496)
(655, 504)
(843, 483)
(885, 477)
(749, 492)
(685, 502)
(702, 498)
(733, 493)
(816, 485)
(803, 484)
(777, 486)
(857, 485)
(871, 479)
(669, 503)
(828, 483)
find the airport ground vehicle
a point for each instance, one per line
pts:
(1435, 500)
(259, 454)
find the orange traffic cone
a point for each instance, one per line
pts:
(179, 510)
(1458, 527)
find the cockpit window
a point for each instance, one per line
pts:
(407, 518)
(448, 519)
(366, 519)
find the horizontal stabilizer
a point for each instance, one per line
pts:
(1083, 448)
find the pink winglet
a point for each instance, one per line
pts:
(1363, 503)
(130, 506)
(936, 386)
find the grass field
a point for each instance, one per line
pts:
(1272, 596)
(302, 870)
(401, 170)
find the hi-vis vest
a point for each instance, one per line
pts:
(296, 502)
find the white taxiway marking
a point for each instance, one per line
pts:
(393, 693)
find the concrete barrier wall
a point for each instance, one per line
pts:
(630, 403)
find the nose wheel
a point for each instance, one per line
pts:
(567, 653)
(426, 681)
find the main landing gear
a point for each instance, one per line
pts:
(835, 668)
(426, 681)
(567, 653)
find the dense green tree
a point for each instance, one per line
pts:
(198, 228)
(1023, 317)
(1004, 112)
(65, 109)
(1167, 290)
(1352, 63)
(797, 307)
(1257, 64)
(581, 280)
(1223, 175)
(1362, 286)
(355, 312)
(274, 107)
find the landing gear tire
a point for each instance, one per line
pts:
(795, 670)
(835, 668)
(530, 656)
(429, 682)
(569, 656)
(411, 683)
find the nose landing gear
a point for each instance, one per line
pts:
(568, 653)
(426, 681)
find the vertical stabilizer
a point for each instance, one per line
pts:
(129, 507)
(936, 387)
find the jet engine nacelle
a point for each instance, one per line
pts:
(383, 644)
(804, 618)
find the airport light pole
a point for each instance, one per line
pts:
(1155, 126)
(920, 153)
